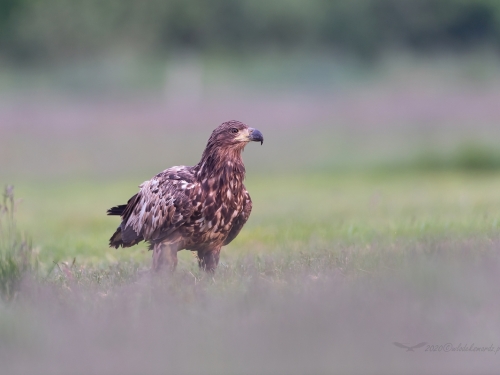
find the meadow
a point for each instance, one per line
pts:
(375, 222)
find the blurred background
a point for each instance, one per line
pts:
(118, 88)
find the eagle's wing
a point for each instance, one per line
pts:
(241, 219)
(162, 205)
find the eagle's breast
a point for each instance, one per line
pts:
(218, 202)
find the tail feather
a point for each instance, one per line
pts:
(126, 237)
(117, 210)
(117, 239)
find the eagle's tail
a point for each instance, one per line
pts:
(117, 210)
(124, 237)
(116, 239)
(130, 238)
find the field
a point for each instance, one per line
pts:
(374, 222)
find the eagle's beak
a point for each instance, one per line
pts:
(255, 135)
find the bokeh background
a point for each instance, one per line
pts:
(376, 202)
(118, 88)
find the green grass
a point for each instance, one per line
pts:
(16, 253)
(292, 213)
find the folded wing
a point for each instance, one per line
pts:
(161, 206)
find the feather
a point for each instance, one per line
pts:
(117, 210)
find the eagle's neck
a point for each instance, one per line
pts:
(221, 164)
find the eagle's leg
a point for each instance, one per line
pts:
(208, 260)
(164, 257)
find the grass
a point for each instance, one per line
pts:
(16, 253)
(333, 266)
(313, 210)
(329, 271)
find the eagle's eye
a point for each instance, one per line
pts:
(234, 130)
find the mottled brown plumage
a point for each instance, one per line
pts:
(199, 208)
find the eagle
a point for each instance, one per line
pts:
(199, 208)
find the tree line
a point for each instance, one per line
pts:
(32, 30)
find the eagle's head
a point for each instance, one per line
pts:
(235, 134)
(224, 147)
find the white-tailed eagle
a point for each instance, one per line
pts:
(199, 208)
